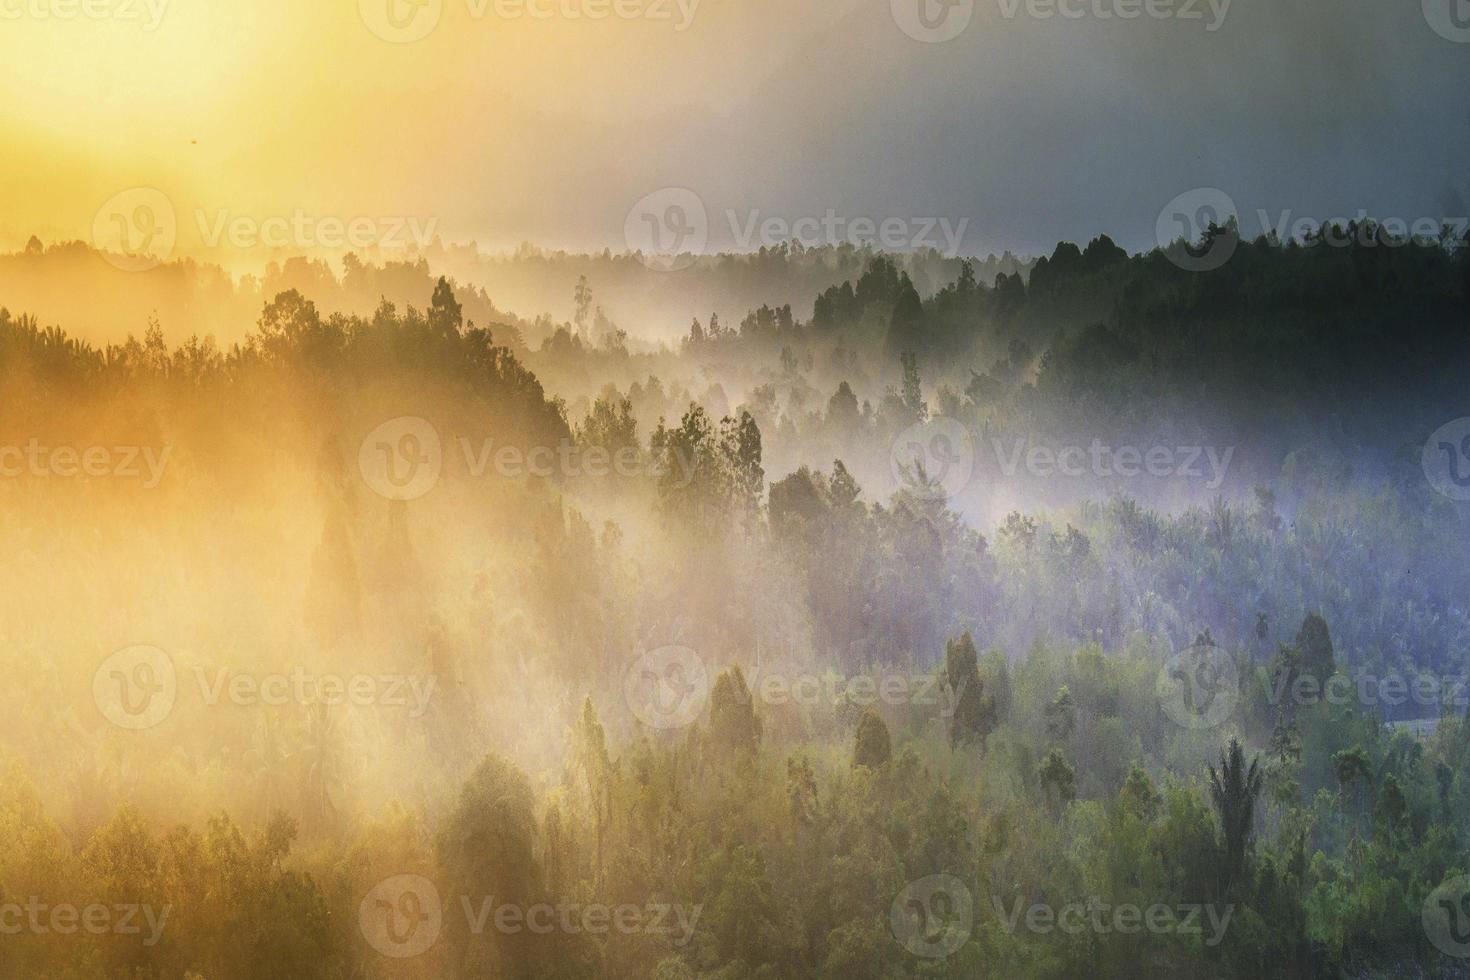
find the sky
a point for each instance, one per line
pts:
(555, 121)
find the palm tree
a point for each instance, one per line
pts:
(323, 752)
(1234, 789)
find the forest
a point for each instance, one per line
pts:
(1069, 616)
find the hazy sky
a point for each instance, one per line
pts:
(512, 120)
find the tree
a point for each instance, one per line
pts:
(1138, 798)
(1315, 645)
(906, 323)
(487, 848)
(735, 729)
(1352, 768)
(872, 747)
(1234, 789)
(913, 394)
(1284, 752)
(610, 424)
(582, 301)
(446, 314)
(741, 445)
(1058, 781)
(1061, 715)
(843, 415)
(591, 761)
(974, 711)
(1390, 813)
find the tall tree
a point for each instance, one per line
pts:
(974, 711)
(1234, 789)
(1058, 781)
(872, 747)
(1314, 642)
(735, 729)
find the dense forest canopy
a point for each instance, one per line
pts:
(1089, 616)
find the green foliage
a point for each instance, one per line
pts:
(1235, 789)
(734, 728)
(872, 747)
